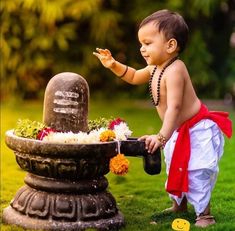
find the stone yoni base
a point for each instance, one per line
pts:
(53, 204)
(13, 217)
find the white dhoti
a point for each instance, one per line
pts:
(207, 144)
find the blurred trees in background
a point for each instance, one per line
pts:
(40, 38)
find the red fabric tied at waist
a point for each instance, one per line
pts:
(178, 173)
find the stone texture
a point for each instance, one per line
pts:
(65, 186)
(13, 217)
(62, 161)
(66, 103)
(151, 162)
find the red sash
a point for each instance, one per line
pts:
(178, 174)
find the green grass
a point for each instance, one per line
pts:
(140, 197)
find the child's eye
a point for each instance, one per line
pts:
(147, 43)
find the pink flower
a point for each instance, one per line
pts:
(44, 132)
(117, 121)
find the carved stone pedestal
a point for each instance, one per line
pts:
(65, 186)
(60, 205)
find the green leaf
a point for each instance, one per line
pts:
(28, 129)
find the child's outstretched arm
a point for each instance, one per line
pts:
(124, 72)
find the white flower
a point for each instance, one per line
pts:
(122, 131)
(74, 138)
(61, 137)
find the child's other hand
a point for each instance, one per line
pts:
(105, 57)
(151, 142)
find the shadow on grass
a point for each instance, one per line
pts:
(169, 217)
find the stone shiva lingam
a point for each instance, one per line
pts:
(65, 187)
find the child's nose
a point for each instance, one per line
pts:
(142, 49)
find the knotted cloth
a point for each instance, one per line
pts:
(178, 174)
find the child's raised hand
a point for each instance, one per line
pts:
(105, 57)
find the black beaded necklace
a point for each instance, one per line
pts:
(158, 82)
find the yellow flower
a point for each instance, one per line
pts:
(107, 135)
(119, 164)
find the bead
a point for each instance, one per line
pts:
(161, 139)
(158, 82)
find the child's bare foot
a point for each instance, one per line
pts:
(177, 208)
(204, 220)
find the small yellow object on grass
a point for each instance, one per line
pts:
(180, 224)
(119, 164)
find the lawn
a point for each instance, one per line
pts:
(139, 196)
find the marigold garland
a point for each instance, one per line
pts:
(119, 164)
(107, 135)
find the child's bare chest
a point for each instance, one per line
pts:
(157, 88)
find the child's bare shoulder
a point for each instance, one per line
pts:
(177, 69)
(178, 65)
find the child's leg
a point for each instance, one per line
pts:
(178, 208)
(200, 187)
(204, 219)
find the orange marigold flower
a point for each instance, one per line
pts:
(119, 164)
(107, 135)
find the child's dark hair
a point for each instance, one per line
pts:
(171, 24)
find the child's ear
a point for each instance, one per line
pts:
(172, 45)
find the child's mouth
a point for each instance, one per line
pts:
(146, 57)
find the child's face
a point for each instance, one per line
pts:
(153, 44)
